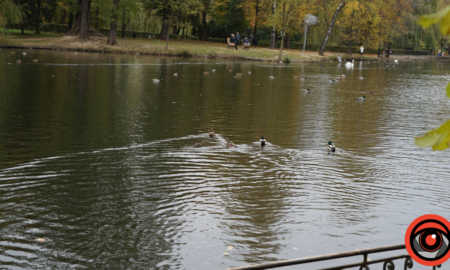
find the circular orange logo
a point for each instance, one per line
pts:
(427, 240)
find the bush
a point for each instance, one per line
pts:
(185, 53)
(287, 59)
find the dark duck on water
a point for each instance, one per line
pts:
(263, 141)
(212, 134)
(331, 147)
(229, 143)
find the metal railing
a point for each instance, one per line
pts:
(388, 263)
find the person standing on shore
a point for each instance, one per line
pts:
(237, 40)
(232, 39)
(361, 49)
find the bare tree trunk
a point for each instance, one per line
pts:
(205, 29)
(113, 26)
(182, 35)
(38, 21)
(63, 17)
(97, 19)
(273, 34)
(21, 30)
(84, 19)
(168, 27)
(287, 41)
(145, 24)
(256, 18)
(129, 24)
(322, 49)
(349, 47)
(164, 29)
(282, 30)
(69, 25)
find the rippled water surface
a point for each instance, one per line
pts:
(117, 172)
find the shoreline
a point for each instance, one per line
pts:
(184, 49)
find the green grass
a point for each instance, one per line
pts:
(16, 34)
(177, 47)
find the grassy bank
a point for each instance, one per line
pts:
(157, 47)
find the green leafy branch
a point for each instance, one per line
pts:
(438, 139)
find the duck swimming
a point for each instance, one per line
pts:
(369, 92)
(249, 72)
(271, 77)
(361, 78)
(262, 141)
(331, 147)
(212, 134)
(175, 74)
(157, 80)
(303, 79)
(305, 90)
(229, 143)
(213, 70)
(206, 73)
(361, 98)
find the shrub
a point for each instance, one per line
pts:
(287, 59)
(185, 53)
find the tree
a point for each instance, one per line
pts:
(82, 27)
(322, 49)
(283, 19)
(113, 25)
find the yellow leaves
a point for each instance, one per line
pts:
(438, 139)
(442, 16)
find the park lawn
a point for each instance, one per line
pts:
(177, 47)
(16, 34)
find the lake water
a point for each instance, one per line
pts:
(117, 172)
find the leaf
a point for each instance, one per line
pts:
(448, 90)
(438, 139)
(433, 18)
(443, 16)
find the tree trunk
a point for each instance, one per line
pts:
(145, 24)
(256, 18)
(83, 28)
(273, 34)
(205, 29)
(38, 21)
(349, 47)
(21, 30)
(287, 42)
(63, 18)
(281, 49)
(69, 25)
(322, 49)
(168, 35)
(84, 22)
(97, 19)
(182, 35)
(129, 24)
(113, 26)
(283, 25)
(164, 29)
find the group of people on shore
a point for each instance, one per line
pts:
(245, 41)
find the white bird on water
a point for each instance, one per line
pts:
(350, 65)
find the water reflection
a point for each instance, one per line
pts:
(118, 172)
